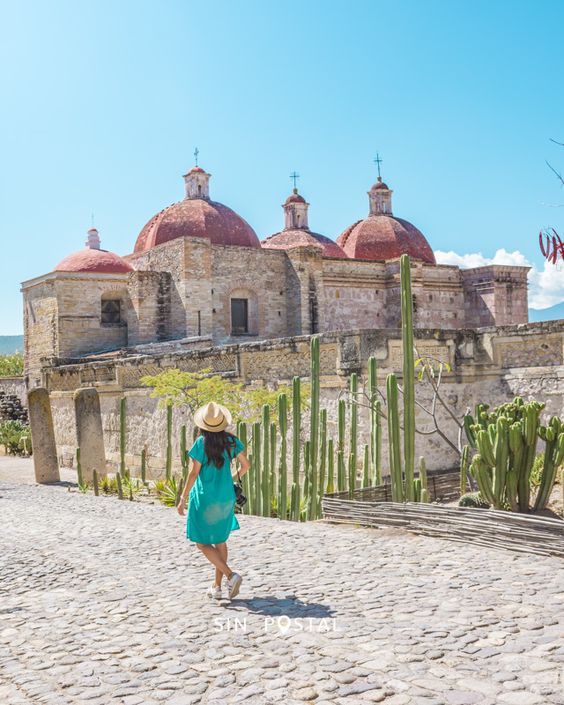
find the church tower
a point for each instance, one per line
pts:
(295, 212)
(196, 183)
(380, 199)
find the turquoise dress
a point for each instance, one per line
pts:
(211, 509)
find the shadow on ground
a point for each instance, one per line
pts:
(290, 606)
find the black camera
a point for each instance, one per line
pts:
(240, 499)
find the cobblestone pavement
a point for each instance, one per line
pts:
(103, 602)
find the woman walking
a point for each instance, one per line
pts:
(211, 515)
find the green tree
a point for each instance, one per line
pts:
(194, 389)
(11, 365)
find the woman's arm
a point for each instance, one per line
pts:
(190, 480)
(244, 464)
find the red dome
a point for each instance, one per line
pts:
(287, 239)
(195, 170)
(382, 237)
(380, 185)
(197, 217)
(94, 261)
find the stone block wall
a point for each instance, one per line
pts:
(491, 365)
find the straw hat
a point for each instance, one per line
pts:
(212, 417)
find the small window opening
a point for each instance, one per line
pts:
(239, 316)
(111, 312)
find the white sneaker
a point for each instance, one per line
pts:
(233, 585)
(214, 592)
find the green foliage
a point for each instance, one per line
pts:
(132, 486)
(11, 365)
(167, 490)
(15, 437)
(473, 499)
(194, 389)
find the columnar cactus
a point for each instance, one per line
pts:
(283, 462)
(265, 479)
(296, 429)
(341, 483)
(366, 466)
(322, 457)
(183, 456)
(375, 422)
(353, 441)
(256, 468)
(95, 481)
(122, 419)
(168, 440)
(313, 427)
(464, 464)
(423, 480)
(408, 375)
(394, 439)
(330, 467)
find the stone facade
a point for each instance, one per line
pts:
(183, 289)
(199, 271)
(489, 365)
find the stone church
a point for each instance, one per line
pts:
(199, 275)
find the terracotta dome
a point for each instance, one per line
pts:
(197, 217)
(287, 239)
(94, 261)
(380, 185)
(384, 237)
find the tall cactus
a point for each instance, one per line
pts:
(314, 427)
(265, 479)
(256, 468)
(168, 440)
(330, 467)
(366, 466)
(295, 502)
(144, 465)
(119, 485)
(122, 420)
(394, 439)
(553, 436)
(408, 375)
(296, 429)
(353, 441)
(341, 483)
(352, 473)
(322, 457)
(283, 462)
(183, 456)
(95, 481)
(375, 422)
(245, 480)
(464, 469)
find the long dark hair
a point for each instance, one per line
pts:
(215, 443)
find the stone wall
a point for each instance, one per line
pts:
(15, 386)
(489, 365)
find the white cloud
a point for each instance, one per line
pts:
(546, 286)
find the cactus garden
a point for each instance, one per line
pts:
(297, 456)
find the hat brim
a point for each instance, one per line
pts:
(200, 422)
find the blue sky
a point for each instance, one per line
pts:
(104, 103)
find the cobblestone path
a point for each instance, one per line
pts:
(103, 602)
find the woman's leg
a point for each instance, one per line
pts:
(222, 550)
(213, 556)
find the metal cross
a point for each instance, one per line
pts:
(294, 176)
(378, 161)
(196, 152)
